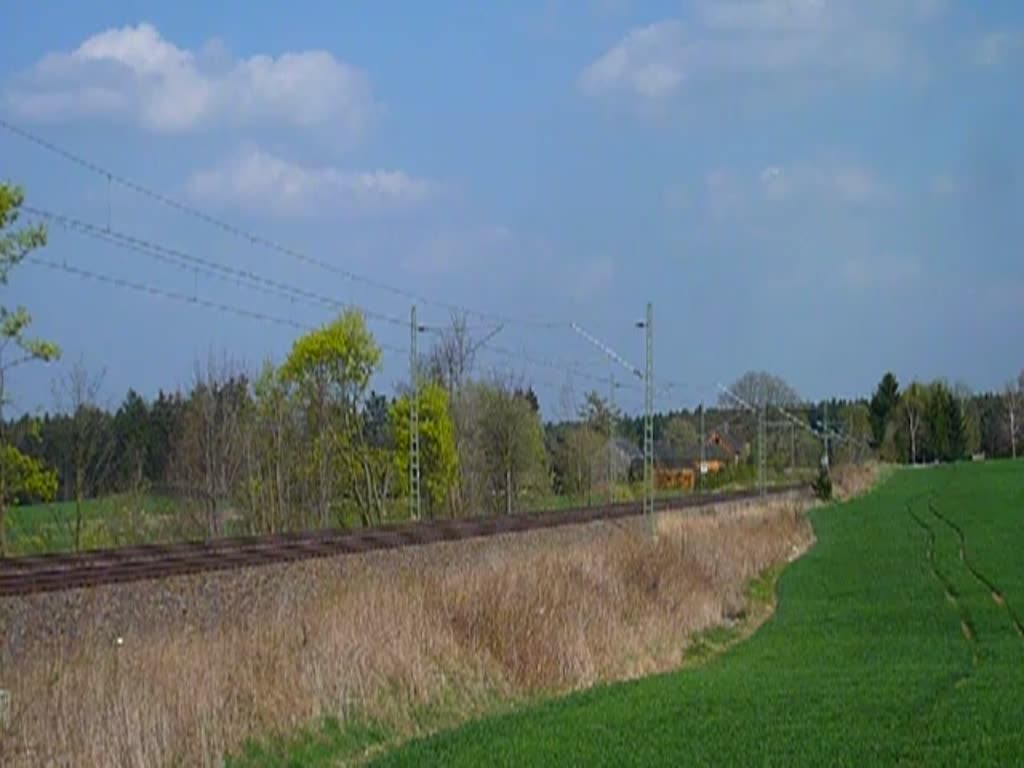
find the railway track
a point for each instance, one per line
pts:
(56, 572)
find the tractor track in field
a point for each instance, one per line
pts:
(949, 589)
(961, 677)
(997, 594)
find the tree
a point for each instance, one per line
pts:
(761, 388)
(208, 461)
(450, 360)
(273, 456)
(1013, 405)
(970, 418)
(330, 370)
(579, 456)
(438, 455)
(598, 412)
(942, 418)
(17, 471)
(883, 404)
(90, 438)
(512, 444)
(132, 433)
(912, 406)
(857, 425)
(680, 435)
(24, 478)
(166, 415)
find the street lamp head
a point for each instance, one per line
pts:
(641, 323)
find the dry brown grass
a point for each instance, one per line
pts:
(382, 635)
(852, 480)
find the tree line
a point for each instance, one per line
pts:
(307, 443)
(936, 421)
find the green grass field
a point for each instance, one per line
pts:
(107, 522)
(897, 641)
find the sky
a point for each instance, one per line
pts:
(824, 189)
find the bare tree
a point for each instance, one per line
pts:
(450, 360)
(762, 388)
(271, 457)
(91, 444)
(913, 403)
(208, 460)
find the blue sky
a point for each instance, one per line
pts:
(823, 189)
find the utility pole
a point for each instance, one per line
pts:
(825, 460)
(703, 450)
(611, 439)
(762, 457)
(792, 447)
(414, 419)
(649, 422)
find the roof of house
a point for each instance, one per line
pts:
(628, 448)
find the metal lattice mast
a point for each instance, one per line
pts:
(762, 454)
(825, 459)
(703, 449)
(649, 421)
(414, 419)
(611, 439)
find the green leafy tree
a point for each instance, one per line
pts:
(512, 446)
(957, 434)
(883, 404)
(939, 422)
(439, 461)
(131, 430)
(17, 471)
(24, 478)
(330, 370)
(680, 436)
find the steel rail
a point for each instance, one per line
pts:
(63, 571)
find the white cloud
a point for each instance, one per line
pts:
(846, 184)
(828, 184)
(650, 63)
(996, 48)
(134, 73)
(452, 250)
(764, 41)
(259, 181)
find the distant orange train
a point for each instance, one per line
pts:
(682, 479)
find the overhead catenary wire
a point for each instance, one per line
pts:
(252, 280)
(260, 240)
(820, 434)
(153, 290)
(193, 263)
(194, 299)
(573, 369)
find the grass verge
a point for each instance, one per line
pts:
(412, 641)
